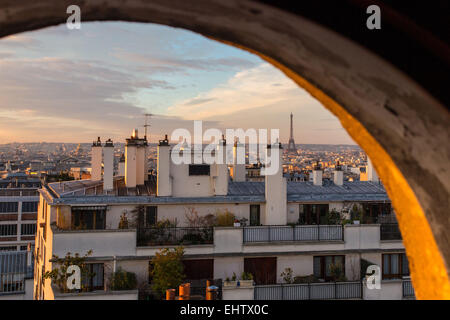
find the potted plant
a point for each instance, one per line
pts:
(232, 282)
(237, 223)
(246, 279)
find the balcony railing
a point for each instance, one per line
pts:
(293, 233)
(310, 291)
(174, 236)
(14, 269)
(407, 289)
(390, 231)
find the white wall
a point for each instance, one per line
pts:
(301, 265)
(225, 266)
(228, 240)
(390, 290)
(237, 293)
(101, 242)
(184, 185)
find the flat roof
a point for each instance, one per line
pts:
(86, 192)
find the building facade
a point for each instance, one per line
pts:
(322, 233)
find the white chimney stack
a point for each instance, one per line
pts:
(371, 173)
(276, 189)
(130, 162)
(163, 182)
(140, 164)
(338, 175)
(221, 180)
(108, 163)
(122, 166)
(317, 175)
(238, 156)
(146, 153)
(96, 160)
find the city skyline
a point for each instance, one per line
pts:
(62, 85)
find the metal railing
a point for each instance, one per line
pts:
(15, 267)
(408, 289)
(174, 236)
(390, 231)
(293, 233)
(310, 291)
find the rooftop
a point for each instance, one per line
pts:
(91, 192)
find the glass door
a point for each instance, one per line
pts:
(255, 215)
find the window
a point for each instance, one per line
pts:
(8, 230)
(29, 206)
(255, 215)
(313, 214)
(395, 266)
(9, 207)
(8, 248)
(28, 229)
(329, 268)
(95, 281)
(199, 169)
(151, 216)
(88, 218)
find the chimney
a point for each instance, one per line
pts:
(96, 160)
(130, 161)
(238, 161)
(221, 180)
(338, 175)
(140, 164)
(371, 173)
(275, 188)
(317, 174)
(146, 153)
(108, 163)
(122, 165)
(163, 182)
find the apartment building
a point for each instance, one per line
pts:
(279, 225)
(18, 210)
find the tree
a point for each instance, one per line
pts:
(168, 270)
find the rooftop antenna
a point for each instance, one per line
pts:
(147, 115)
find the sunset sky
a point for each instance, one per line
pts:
(61, 85)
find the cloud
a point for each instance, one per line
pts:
(55, 93)
(6, 55)
(195, 102)
(175, 64)
(263, 97)
(20, 40)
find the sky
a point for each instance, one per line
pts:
(61, 85)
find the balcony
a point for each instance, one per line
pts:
(174, 236)
(15, 268)
(293, 233)
(106, 242)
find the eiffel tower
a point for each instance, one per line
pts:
(291, 143)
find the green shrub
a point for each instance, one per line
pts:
(246, 276)
(123, 280)
(225, 218)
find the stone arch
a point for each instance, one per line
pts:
(385, 97)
